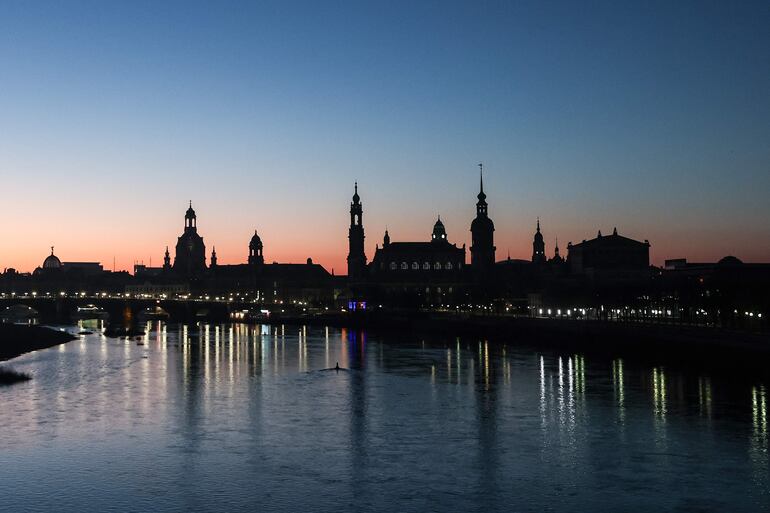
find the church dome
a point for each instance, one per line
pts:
(190, 214)
(730, 261)
(439, 232)
(52, 262)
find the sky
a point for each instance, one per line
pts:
(652, 117)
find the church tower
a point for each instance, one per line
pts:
(166, 261)
(213, 257)
(356, 254)
(190, 259)
(538, 246)
(255, 250)
(482, 233)
(557, 258)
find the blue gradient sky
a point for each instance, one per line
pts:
(652, 117)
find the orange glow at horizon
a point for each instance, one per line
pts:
(144, 237)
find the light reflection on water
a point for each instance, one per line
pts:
(237, 417)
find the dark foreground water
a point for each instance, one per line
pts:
(228, 418)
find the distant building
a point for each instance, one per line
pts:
(422, 262)
(425, 271)
(190, 260)
(405, 272)
(538, 246)
(608, 253)
(482, 234)
(52, 266)
(356, 253)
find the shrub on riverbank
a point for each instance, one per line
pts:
(10, 376)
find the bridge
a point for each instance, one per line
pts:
(127, 310)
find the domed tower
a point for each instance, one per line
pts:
(51, 262)
(255, 250)
(190, 259)
(482, 233)
(213, 257)
(439, 232)
(538, 246)
(356, 253)
(190, 219)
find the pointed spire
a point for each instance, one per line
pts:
(481, 196)
(51, 250)
(538, 224)
(190, 203)
(615, 231)
(481, 177)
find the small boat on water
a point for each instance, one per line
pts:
(90, 312)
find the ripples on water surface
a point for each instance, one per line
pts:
(246, 418)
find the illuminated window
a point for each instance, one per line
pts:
(404, 265)
(415, 266)
(449, 266)
(437, 266)
(393, 266)
(426, 265)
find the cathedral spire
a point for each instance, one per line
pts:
(482, 234)
(481, 196)
(481, 177)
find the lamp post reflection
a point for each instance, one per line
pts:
(618, 385)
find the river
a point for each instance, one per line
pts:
(255, 418)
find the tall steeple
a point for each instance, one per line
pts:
(166, 260)
(538, 246)
(356, 253)
(482, 233)
(213, 256)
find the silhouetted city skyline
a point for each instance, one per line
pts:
(588, 117)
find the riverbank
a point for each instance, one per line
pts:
(16, 340)
(657, 341)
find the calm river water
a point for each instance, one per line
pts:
(244, 418)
